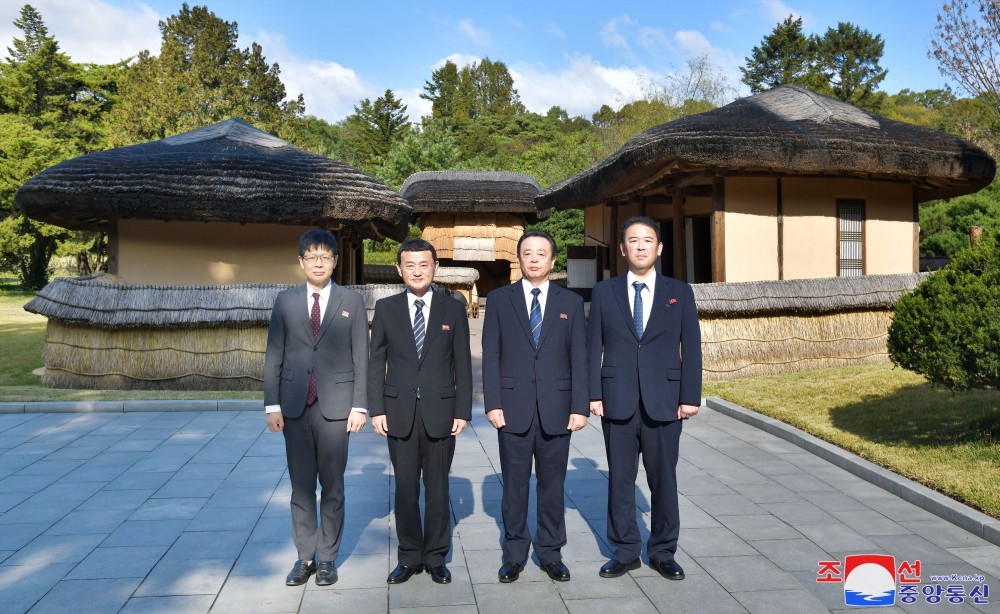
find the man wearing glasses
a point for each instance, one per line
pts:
(315, 393)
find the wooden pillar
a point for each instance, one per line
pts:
(112, 261)
(916, 232)
(680, 251)
(719, 229)
(781, 233)
(615, 238)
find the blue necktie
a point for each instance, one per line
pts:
(536, 316)
(637, 308)
(418, 327)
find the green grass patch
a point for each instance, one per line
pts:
(894, 418)
(380, 257)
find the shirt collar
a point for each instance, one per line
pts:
(527, 287)
(411, 298)
(649, 279)
(324, 294)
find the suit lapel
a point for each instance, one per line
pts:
(621, 297)
(306, 324)
(434, 321)
(332, 309)
(551, 308)
(659, 301)
(516, 296)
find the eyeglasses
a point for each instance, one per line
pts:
(325, 259)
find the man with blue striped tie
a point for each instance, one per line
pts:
(535, 392)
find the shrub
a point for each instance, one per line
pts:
(948, 328)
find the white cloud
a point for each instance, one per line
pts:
(721, 26)
(476, 35)
(555, 31)
(612, 36)
(580, 88)
(778, 10)
(652, 39)
(693, 42)
(416, 107)
(458, 59)
(89, 30)
(330, 89)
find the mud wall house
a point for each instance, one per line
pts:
(787, 184)
(474, 219)
(795, 215)
(202, 234)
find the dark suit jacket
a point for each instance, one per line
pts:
(443, 374)
(339, 355)
(517, 378)
(663, 368)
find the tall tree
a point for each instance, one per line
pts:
(494, 88)
(50, 109)
(375, 127)
(444, 93)
(967, 49)
(199, 77)
(848, 56)
(785, 56)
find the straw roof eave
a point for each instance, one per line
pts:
(471, 192)
(227, 172)
(788, 130)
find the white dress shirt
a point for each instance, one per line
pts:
(411, 298)
(528, 296)
(647, 294)
(324, 299)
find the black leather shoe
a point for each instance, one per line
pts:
(510, 572)
(668, 569)
(557, 571)
(326, 573)
(300, 573)
(440, 574)
(402, 573)
(615, 569)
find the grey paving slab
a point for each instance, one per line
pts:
(192, 507)
(22, 586)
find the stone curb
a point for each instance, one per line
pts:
(934, 502)
(45, 407)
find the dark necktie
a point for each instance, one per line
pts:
(314, 323)
(419, 329)
(536, 316)
(637, 308)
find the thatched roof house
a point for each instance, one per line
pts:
(460, 282)
(474, 218)
(221, 204)
(786, 184)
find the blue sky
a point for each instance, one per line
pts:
(578, 55)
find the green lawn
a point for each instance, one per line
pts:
(949, 442)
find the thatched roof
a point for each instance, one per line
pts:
(471, 192)
(228, 172)
(787, 130)
(804, 296)
(387, 273)
(104, 301)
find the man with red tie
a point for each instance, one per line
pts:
(315, 393)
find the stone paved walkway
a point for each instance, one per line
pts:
(188, 512)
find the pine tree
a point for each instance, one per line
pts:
(785, 56)
(849, 57)
(375, 127)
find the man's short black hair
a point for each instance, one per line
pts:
(416, 245)
(534, 232)
(317, 238)
(645, 220)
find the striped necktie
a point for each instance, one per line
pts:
(536, 316)
(637, 308)
(419, 328)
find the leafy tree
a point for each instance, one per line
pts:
(848, 56)
(948, 328)
(431, 148)
(945, 224)
(51, 109)
(448, 104)
(967, 49)
(375, 127)
(200, 77)
(785, 56)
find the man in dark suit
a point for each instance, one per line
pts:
(645, 378)
(535, 393)
(420, 390)
(315, 393)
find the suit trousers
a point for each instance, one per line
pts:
(550, 454)
(316, 446)
(658, 443)
(414, 456)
